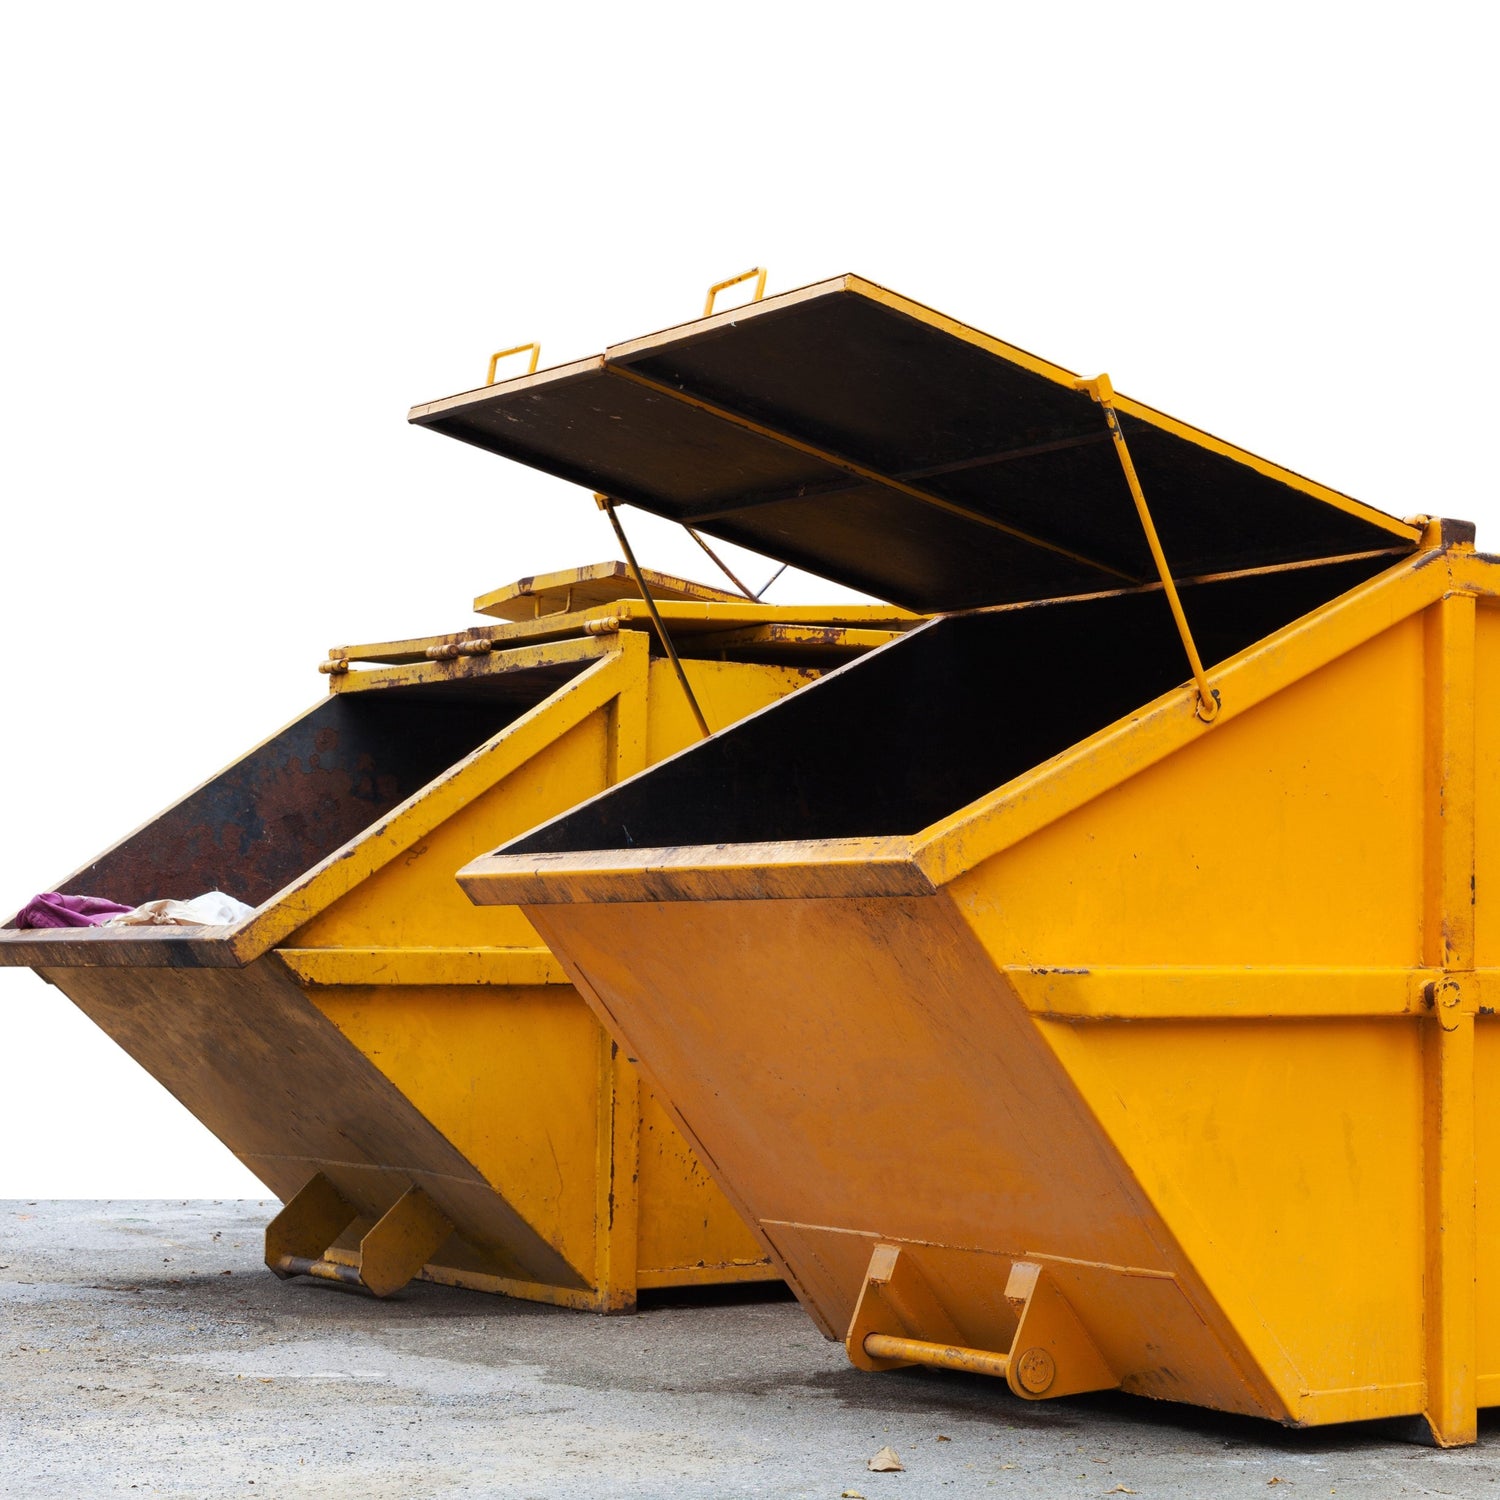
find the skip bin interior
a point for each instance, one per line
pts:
(900, 739)
(301, 795)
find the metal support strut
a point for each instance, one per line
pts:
(1103, 392)
(608, 507)
(734, 577)
(719, 562)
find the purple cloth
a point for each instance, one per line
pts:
(53, 910)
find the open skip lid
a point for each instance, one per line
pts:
(868, 439)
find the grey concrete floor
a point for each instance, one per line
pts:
(145, 1350)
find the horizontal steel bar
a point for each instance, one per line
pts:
(324, 1270)
(685, 615)
(520, 968)
(937, 1356)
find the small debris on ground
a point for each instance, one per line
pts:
(885, 1462)
(943, 1437)
(850, 1495)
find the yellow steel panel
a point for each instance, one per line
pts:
(407, 966)
(415, 902)
(725, 691)
(689, 1226)
(1277, 1158)
(1297, 820)
(574, 589)
(507, 1075)
(1487, 1203)
(344, 869)
(1096, 765)
(1300, 822)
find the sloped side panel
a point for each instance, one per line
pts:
(857, 1070)
(415, 901)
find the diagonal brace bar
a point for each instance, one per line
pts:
(607, 505)
(1103, 392)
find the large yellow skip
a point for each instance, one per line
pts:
(1094, 987)
(417, 1079)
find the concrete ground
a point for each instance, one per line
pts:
(145, 1350)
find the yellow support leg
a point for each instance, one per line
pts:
(900, 1321)
(401, 1243)
(311, 1221)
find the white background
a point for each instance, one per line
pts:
(238, 242)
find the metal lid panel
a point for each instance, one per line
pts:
(871, 440)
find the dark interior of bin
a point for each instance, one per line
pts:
(293, 801)
(904, 737)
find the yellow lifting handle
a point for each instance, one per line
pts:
(1104, 393)
(758, 272)
(536, 354)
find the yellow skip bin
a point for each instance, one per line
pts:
(1093, 987)
(417, 1079)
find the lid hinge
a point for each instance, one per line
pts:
(1103, 392)
(607, 505)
